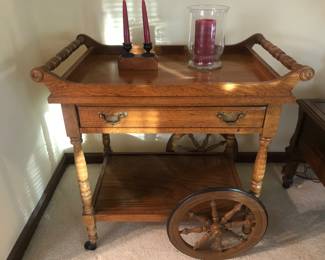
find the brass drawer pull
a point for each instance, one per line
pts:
(114, 118)
(230, 117)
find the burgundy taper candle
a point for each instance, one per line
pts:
(126, 28)
(204, 46)
(146, 28)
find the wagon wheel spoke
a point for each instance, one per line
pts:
(204, 220)
(214, 146)
(198, 146)
(215, 238)
(231, 213)
(214, 212)
(202, 241)
(194, 141)
(250, 223)
(218, 242)
(187, 231)
(187, 148)
(171, 144)
(205, 141)
(234, 234)
(208, 239)
(236, 224)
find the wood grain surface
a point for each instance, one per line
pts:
(138, 117)
(148, 187)
(173, 69)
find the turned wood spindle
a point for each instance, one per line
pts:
(64, 54)
(260, 166)
(85, 190)
(306, 73)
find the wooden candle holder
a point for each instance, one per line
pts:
(138, 62)
(145, 61)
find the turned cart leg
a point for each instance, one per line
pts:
(85, 192)
(107, 143)
(260, 166)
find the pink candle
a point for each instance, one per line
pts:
(146, 29)
(126, 28)
(204, 46)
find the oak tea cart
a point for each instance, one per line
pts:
(208, 214)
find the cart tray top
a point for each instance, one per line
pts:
(243, 74)
(238, 66)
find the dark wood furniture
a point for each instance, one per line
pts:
(308, 142)
(243, 97)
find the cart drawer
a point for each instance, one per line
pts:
(126, 117)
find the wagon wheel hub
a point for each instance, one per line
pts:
(215, 228)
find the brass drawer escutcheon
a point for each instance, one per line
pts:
(114, 118)
(230, 117)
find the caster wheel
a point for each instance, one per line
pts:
(217, 223)
(90, 246)
(286, 182)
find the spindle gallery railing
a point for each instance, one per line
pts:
(37, 74)
(64, 54)
(305, 72)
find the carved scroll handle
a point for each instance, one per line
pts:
(230, 117)
(305, 72)
(114, 118)
(37, 74)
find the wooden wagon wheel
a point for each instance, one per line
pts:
(230, 144)
(217, 223)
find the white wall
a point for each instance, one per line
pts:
(29, 147)
(32, 134)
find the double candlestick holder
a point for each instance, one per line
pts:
(130, 61)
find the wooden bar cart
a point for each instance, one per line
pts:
(208, 214)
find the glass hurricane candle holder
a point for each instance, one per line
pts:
(207, 35)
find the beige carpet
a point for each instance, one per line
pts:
(296, 226)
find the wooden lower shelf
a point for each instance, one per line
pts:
(147, 188)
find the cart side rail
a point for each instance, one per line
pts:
(37, 74)
(304, 72)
